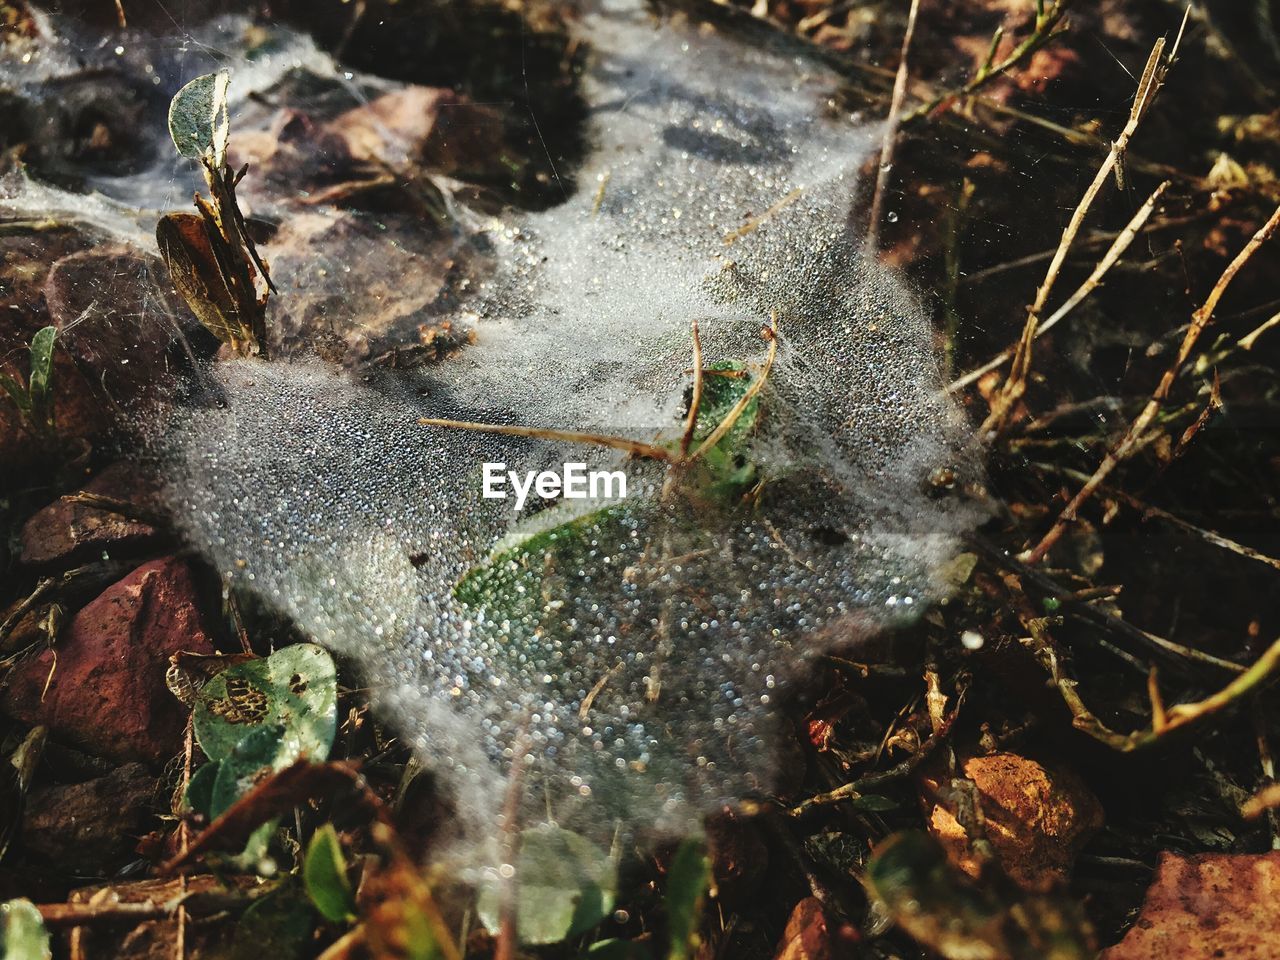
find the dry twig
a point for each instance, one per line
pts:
(1133, 436)
(1153, 75)
(889, 142)
(1117, 249)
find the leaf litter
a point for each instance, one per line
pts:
(638, 676)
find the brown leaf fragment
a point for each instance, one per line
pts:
(275, 795)
(189, 246)
(1207, 906)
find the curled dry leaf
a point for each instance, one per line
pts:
(1207, 906)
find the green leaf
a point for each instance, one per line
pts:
(325, 873)
(199, 795)
(252, 759)
(507, 584)
(687, 883)
(198, 120)
(17, 393)
(294, 689)
(38, 382)
(564, 884)
(22, 932)
(278, 926)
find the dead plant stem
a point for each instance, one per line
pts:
(1200, 319)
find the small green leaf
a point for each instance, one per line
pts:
(294, 689)
(687, 883)
(22, 932)
(325, 873)
(38, 382)
(199, 795)
(198, 120)
(253, 758)
(564, 884)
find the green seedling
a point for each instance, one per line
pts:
(324, 872)
(34, 399)
(256, 718)
(211, 257)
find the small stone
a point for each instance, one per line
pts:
(106, 691)
(66, 532)
(1207, 906)
(1036, 818)
(87, 828)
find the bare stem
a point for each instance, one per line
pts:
(1133, 436)
(1117, 249)
(889, 142)
(691, 421)
(1148, 86)
(748, 395)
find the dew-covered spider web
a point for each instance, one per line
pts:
(630, 668)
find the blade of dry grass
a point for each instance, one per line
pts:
(1117, 249)
(1133, 436)
(889, 142)
(1153, 75)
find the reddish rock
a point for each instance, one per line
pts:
(87, 827)
(66, 532)
(107, 693)
(807, 936)
(1207, 906)
(1036, 818)
(117, 317)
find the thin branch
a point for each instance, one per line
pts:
(1086, 611)
(1047, 22)
(889, 142)
(1247, 342)
(1117, 249)
(1177, 717)
(1200, 319)
(1015, 385)
(695, 401)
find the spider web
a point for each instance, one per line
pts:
(642, 685)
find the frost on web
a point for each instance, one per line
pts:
(633, 675)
